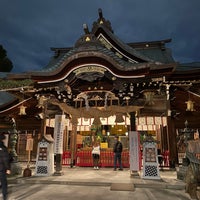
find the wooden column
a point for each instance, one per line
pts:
(73, 142)
(43, 125)
(172, 143)
(173, 156)
(133, 121)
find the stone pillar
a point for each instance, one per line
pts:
(58, 159)
(133, 128)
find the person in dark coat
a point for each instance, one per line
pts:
(4, 166)
(117, 149)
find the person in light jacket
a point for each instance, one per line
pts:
(96, 154)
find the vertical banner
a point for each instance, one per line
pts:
(58, 133)
(134, 144)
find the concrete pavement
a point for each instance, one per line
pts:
(114, 181)
(105, 176)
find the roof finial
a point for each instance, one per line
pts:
(85, 28)
(100, 13)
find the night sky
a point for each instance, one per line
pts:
(30, 27)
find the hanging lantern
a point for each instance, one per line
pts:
(190, 105)
(22, 110)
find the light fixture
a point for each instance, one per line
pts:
(127, 98)
(131, 87)
(22, 110)
(190, 105)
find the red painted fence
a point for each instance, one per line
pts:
(84, 158)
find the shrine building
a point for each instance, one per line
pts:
(104, 87)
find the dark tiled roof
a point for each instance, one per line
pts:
(125, 46)
(156, 54)
(55, 62)
(5, 98)
(144, 55)
(188, 66)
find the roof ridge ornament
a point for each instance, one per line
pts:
(101, 16)
(85, 28)
(88, 37)
(101, 21)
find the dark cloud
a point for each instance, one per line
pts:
(30, 28)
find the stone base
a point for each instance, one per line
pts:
(58, 173)
(16, 169)
(134, 174)
(182, 173)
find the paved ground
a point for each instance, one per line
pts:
(86, 183)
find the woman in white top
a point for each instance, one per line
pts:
(96, 155)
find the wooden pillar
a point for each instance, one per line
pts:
(43, 126)
(173, 156)
(133, 121)
(172, 143)
(73, 142)
(164, 138)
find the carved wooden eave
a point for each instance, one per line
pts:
(86, 59)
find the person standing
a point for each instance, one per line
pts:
(96, 155)
(117, 149)
(4, 166)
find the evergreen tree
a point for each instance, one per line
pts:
(5, 63)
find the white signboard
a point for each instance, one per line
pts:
(58, 133)
(29, 144)
(134, 143)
